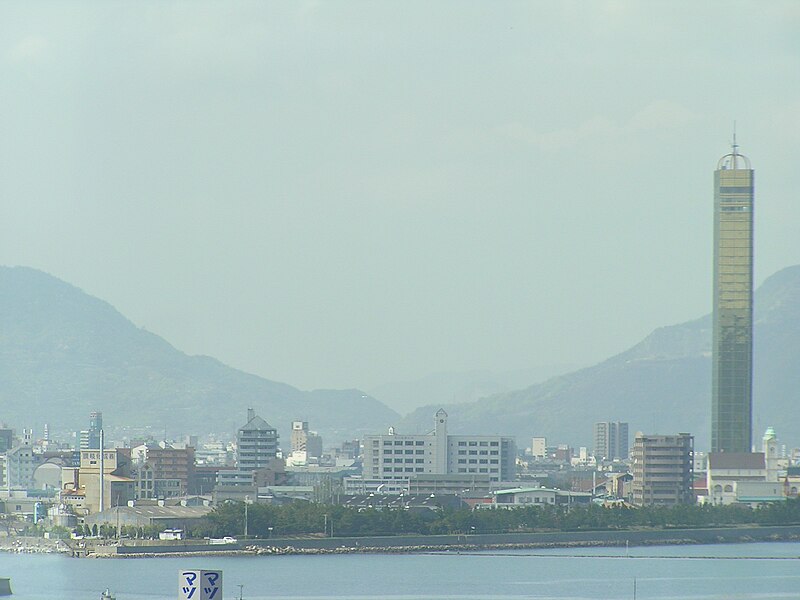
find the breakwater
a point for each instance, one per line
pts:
(456, 543)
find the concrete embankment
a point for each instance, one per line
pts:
(422, 543)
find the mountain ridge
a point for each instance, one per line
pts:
(660, 385)
(64, 353)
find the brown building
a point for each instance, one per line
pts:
(663, 469)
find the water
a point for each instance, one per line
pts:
(768, 571)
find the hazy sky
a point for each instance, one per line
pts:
(341, 194)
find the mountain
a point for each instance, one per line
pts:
(661, 385)
(64, 354)
(460, 386)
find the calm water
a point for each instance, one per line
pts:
(771, 571)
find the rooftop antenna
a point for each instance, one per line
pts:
(735, 148)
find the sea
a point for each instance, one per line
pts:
(714, 572)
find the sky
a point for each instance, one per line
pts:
(342, 194)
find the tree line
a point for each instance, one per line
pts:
(268, 520)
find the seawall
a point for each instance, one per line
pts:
(423, 543)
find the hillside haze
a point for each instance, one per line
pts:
(661, 385)
(64, 354)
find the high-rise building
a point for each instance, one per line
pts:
(256, 443)
(663, 469)
(732, 352)
(90, 438)
(611, 440)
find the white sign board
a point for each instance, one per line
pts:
(199, 585)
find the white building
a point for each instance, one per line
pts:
(538, 496)
(539, 448)
(393, 456)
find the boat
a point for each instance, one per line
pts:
(107, 595)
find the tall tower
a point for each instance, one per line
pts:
(732, 353)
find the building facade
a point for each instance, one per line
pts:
(393, 456)
(305, 441)
(732, 350)
(611, 440)
(256, 443)
(663, 469)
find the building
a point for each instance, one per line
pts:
(538, 496)
(163, 471)
(611, 441)
(732, 350)
(663, 469)
(393, 456)
(256, 453)
(6, 439)
(20, 464)
(256, 443)
(306, 441)
(90, 439)
(117, 487)
(539, 448)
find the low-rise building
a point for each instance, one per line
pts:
(538, 496)
(396, 456)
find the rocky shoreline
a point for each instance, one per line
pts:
(373, 546)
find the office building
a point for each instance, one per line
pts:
(394, 456)
(663, 469)
(732, 350)
(611, 441)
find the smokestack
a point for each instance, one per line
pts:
(251, 414)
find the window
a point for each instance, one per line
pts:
(484, 443)
(462, 461)
(484, 452)
(494, 444)
(420, 451)
(409, 442)
(419, 443)
(462, 443)
(473, 443)
(473, 452)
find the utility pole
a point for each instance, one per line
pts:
(246, 502)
